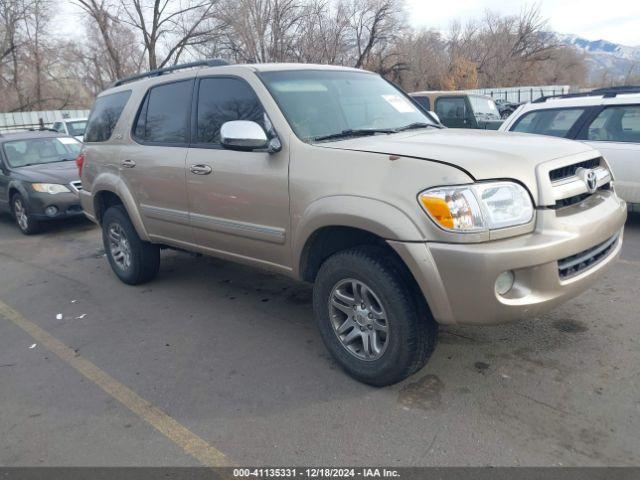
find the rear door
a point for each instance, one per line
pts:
(615, 132)
(557, 122)
(153, 166)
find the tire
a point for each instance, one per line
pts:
(25, 222)
(132, 260)
(411, 330)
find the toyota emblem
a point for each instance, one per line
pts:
(589, 177)
(591, 180)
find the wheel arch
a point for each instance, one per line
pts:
(13, 188)
(110, 190)
(347, 221)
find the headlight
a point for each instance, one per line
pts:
(478, 207)
(51, 188)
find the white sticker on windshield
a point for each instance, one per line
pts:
(399, 103)
(68, 141)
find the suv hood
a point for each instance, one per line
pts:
(60, 172)
(482, 154)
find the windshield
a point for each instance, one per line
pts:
(484, 107)
(76, 129)
(36, 151)
(321, 103)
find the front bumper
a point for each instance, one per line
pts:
(458, 280)
(67, 204)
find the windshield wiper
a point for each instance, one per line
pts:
(362, 132)
(416, 125)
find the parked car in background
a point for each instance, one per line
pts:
(332, 175)
(38, 177)
(460, 109)
(607, 119)
(505, 107)
(74, 127)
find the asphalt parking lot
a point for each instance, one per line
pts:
(218, 358)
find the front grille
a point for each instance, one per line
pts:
(570, 170)
(567, 202)
(76, 185)
(571, 266)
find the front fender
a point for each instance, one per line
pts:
(368, 214)
(19, 186)
(111, 182)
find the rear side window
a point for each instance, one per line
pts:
(104, 116)
(556, 123)
(616, 124)
(222, 100)
(163, 117)
(451, 108)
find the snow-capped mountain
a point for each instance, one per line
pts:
(606, 60)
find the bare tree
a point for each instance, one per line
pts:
(39, 70)
(168, 28)
(505, 49)
(323, 36)
(12, 17)
(373, 23)
(111, 49)
(104, 14)
(262, 30)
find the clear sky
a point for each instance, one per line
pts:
(614, 20)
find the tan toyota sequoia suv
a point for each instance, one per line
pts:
(334, 176)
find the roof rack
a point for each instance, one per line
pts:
(606, 92)
(42, 129)
(613, 91)
(216, 62)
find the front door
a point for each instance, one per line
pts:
(238, 201)
(154, 165)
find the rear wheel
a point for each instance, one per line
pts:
(24, 220)
(371, 319)
(133, 260)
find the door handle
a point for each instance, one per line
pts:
(201, 169)
(128, 163)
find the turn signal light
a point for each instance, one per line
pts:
(439, 210)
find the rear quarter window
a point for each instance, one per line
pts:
(104, 116)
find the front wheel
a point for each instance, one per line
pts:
(133, 260)
(371, 320)
(24, 220)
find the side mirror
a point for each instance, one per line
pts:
(243, 135)
(435, 115)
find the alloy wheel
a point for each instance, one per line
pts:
(119, 246)
(359, 319)
(21, 214)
